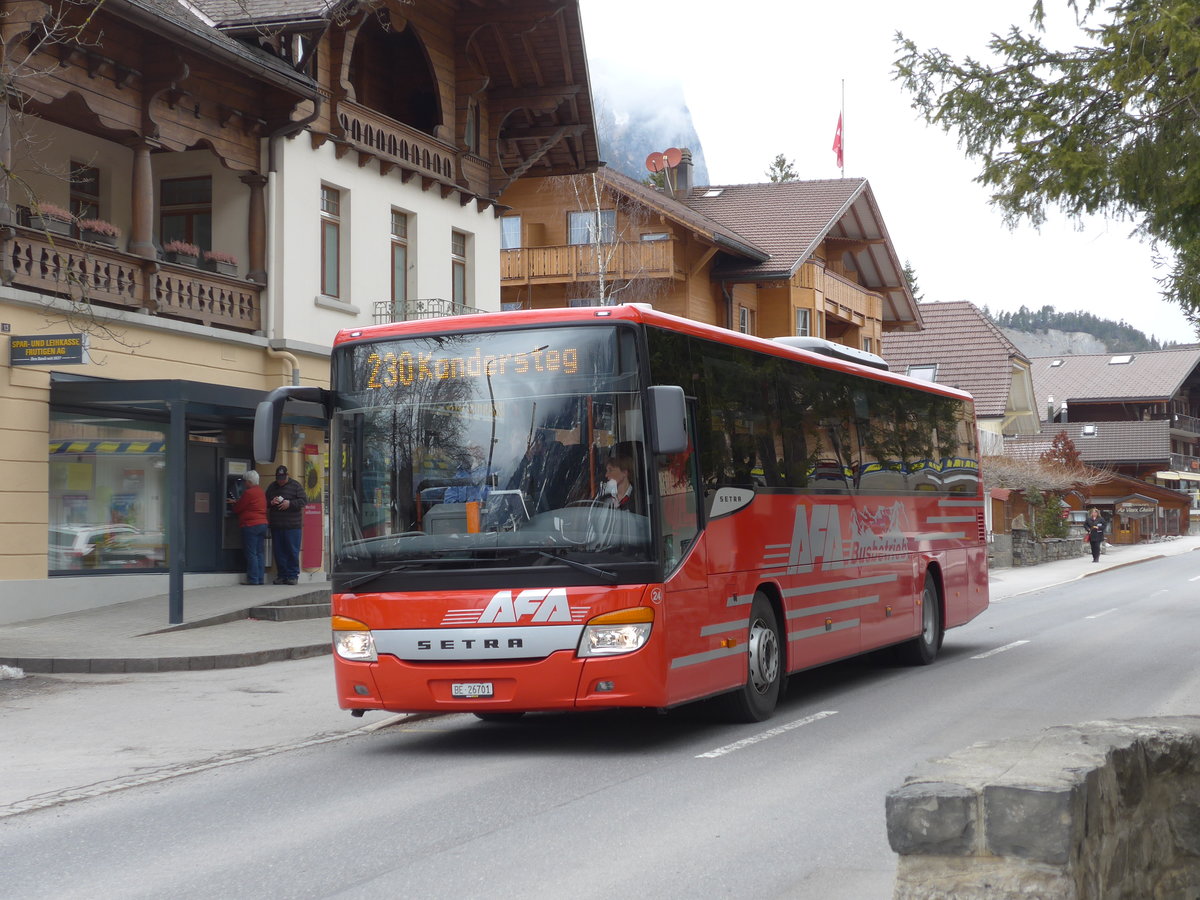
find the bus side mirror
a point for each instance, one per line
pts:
(269, 414)
(668, 419)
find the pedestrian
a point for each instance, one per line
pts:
(285, 506)
(1095, 525)
(251, 510)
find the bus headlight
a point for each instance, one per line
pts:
(352, 640)
(619, 632)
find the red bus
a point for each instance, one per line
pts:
(577, 509)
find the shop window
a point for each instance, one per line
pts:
(107, 495)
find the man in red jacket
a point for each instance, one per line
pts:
(251, 510)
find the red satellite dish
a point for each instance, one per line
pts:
(656, 161)
(674, 156)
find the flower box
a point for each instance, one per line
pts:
(97, 237)
(98, 231)
(49, 224)
(181, 259)
(221, 262)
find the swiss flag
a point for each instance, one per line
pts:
(837, 143)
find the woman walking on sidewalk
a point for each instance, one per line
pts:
(1095, 532)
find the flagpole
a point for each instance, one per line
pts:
(842, 119)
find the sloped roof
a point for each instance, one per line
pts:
(652, 198)
(1151, 375)
(971, 353)
(790, 219)
(234, 12)
(1114, 443)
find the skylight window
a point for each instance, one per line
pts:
(713, 192)
(1056, 363)
(924, 372)
(1088, 431)
(1121, 360)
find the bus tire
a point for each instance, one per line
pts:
(755, 701)
(923, 649)
(498, 716)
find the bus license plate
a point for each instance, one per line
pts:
(472, 689)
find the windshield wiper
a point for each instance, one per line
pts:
(391, 570)
(609, 576)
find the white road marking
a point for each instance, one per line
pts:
(1099, 614)
(1000, 649)
(1197, 578)
(770, 733)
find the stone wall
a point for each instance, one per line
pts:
(1099, 810)
(1027, 551)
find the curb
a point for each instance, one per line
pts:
(120, 665)
(1119, 565)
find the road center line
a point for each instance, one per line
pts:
(1099, 614)
(770, 733)
(1000, 649)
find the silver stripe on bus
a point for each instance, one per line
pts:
(708, 656)
(783, 555)
(743, 600)
(722, 627)
(950, 519)
(817, 632)
(976, 503)
(831, 607)
(440, 644)
(839, 585)
(941, 536)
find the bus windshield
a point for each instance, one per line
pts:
(490, 451)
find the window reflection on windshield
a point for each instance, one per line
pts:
(474, 450)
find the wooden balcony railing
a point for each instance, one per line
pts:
(370, 132)
(93, 273)
(582, 262)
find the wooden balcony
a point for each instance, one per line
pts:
(582, 262)
(93, 273)
(395, 144)
(849, 301)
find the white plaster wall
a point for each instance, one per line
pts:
(298, 311)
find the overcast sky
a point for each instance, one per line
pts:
(764, 77)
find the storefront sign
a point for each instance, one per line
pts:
(40, 350)
(1136, 509)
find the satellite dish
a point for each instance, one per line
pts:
(656, 161)
(674, 156)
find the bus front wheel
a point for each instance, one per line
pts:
(923, 649)
(756, 699)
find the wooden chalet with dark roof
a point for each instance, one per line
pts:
(810, 258)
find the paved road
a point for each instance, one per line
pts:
(450, 806)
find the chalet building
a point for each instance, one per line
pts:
(252, 185)
(790, 258)
(1136, 415)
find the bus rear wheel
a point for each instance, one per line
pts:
(923, 649)
(756, 699)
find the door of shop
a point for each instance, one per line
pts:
(204, 510)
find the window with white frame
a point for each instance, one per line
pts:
(868, 345)
(510, 233)
(745, 320)
(399, 261)
(331, 241)
(924, 371)
(592, 226)
(804, 322)
(458, 269)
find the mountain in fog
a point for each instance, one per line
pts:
(637, 115)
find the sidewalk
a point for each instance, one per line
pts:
(226, 627)
(1005, 583)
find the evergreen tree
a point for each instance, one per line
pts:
(1102, 128)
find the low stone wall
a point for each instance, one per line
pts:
(1029, 552)
(1099, 810)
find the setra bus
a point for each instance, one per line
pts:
(576, 509)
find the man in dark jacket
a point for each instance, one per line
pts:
(285, 507)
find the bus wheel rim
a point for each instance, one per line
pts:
(764, 656)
